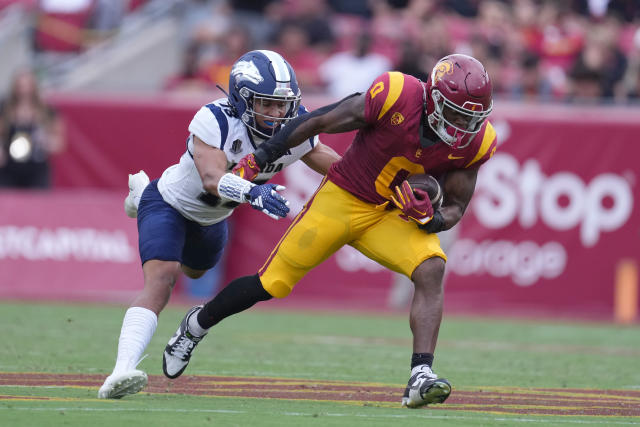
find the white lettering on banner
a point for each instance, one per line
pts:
(523, 262)
(506, 191)
(65, 244)
(351, 260)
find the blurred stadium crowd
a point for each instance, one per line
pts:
(557, 50)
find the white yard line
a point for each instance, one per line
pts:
(412, 415)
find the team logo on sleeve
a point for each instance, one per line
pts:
(397, 118)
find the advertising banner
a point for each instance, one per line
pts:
(554, 215)
(67, 245)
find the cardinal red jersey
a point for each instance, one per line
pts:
(388, 149)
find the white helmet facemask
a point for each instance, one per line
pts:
(445, 112)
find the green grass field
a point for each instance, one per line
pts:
(475, 354)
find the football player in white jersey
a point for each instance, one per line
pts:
(182, 216)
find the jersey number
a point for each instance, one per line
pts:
(394, 172)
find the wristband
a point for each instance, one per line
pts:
(435, 225)
(232, 187)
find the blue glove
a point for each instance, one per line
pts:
(266, 199)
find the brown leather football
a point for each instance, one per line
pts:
(428, 183)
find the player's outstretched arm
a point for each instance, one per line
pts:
(211, 164)
(343, 116)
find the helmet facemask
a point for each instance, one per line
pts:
(283, 95)
(452, 123)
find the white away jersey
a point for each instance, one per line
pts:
(181, 186)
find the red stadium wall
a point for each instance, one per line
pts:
(553, 217)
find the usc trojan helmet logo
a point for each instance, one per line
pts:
(441, 68)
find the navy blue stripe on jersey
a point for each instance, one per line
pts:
(222, 122)
(188, 138)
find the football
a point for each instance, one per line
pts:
(428, 183)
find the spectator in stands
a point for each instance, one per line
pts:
(602, 55)
(351, 7)
(531, 84)
(30, 132)
(353, 71)
(204, 22)
(106, 17)
(190, 78)
(314, 19)
(387, 29)
(585, 84)
(558, 42)
(630, 87)
(432, 40)
(293, 43)
(257, 16)
(231, 46)
(61, 25)
(411, 62)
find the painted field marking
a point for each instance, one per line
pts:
(493, 400)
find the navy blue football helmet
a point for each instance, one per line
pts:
(258, 76)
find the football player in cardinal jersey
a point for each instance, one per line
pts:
(405, 127)
(182, 216)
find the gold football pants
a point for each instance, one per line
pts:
(334, 218)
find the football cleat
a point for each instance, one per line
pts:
(178, 351)
(119, 385)
(137, 183)
(425, 388)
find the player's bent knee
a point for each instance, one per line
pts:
(193, 274)
(276, 288)
(161, 273)
(429, 269)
